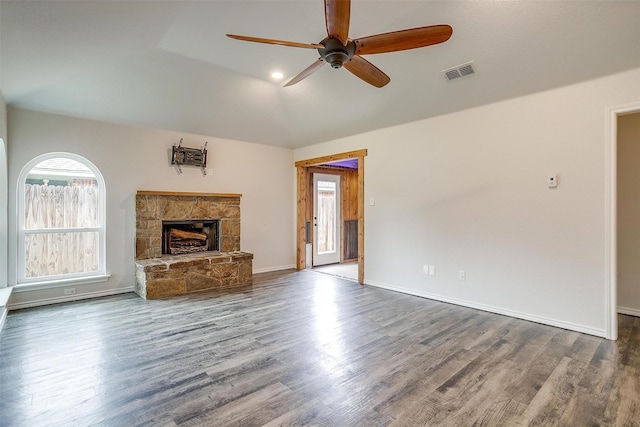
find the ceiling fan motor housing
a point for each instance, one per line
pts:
(335, 53)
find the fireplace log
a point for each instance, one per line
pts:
(181, 234)
(187, 250)
(179, 243)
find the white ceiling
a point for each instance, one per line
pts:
(168, 64)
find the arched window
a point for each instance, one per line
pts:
(61, 220)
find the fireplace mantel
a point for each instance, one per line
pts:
(185, 194)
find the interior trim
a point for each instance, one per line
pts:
(303, 173)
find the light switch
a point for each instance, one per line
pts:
(372, 201)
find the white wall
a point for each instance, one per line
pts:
(132, 159)
(628, 213)
(468, 191)
(3, 192)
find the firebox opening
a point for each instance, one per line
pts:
(191, 236)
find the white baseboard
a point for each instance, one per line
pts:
(5, 294)
(3, 316)
(497, 310)
(68, 298)
(630, 311)
(270, 269)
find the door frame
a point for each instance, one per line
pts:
(611, 211)
(303, 174)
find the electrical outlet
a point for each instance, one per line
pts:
(70, 291)
(462, 275)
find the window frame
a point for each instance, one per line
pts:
(43, 282)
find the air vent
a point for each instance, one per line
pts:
(459, 71)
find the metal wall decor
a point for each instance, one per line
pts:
(182, 156)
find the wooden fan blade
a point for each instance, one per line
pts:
(280, 42)
(306, 72)
(337, 14)
(403, 40)
(365, 70)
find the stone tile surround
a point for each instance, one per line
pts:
(153, 207)
(159, 275)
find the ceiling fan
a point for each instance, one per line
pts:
(339, 50)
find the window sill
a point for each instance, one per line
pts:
(49, 284)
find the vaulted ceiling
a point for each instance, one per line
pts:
(168, 64)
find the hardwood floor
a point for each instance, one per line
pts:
(347, 270)
(301, 348)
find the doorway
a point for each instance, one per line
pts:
(627, 220)
(326, 219)
(330, 165)
(611, 220)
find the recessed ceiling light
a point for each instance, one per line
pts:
(277, 75)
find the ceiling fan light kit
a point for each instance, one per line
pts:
(341, 51)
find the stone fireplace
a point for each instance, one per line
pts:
(188, 242)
